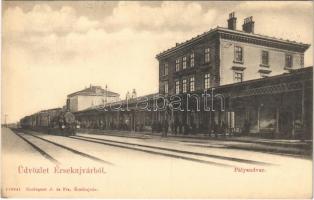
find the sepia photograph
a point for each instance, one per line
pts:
(157, 99)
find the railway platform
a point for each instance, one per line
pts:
(278, 146)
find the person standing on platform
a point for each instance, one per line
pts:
(165, 128)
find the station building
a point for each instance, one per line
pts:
(256, 86)
(122, 115)
(274, 107)
(227, 56)
(90, 97)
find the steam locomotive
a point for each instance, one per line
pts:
(53, 121)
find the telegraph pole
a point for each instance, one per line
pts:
(106, 93)
(5, 120)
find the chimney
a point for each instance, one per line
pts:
(232, 22)
(248, 25)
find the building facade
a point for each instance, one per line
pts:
(258, 86)
(275, 107)
(224, 56)
(90, 97)
(227, 56)
(122, 115)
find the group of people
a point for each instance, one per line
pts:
(101, 124)
(178, 127)
(161, 126)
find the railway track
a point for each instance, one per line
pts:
(119, 134)
(216, 160)
(31, 142)
(131, 147)
(167, 151)
(37, 148)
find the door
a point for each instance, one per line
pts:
(285, 123)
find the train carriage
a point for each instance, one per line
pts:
(53, 121)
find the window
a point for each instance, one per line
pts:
(192, 84)
(184, 63)
(238, 54)
(166, 69)
(166, 87)
(206, 81)
(178, 64)
(184, 86)
(238, 76)
(177, 87)
(192, 60)
(265, 58)
(289, 61)
(207, 55)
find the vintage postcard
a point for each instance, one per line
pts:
(157, 99)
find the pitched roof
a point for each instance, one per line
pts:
(121, 102)
(94, 91)
(238, 32)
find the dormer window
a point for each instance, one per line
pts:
(238, 54)
(288, 61)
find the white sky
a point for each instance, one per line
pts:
(51, 49)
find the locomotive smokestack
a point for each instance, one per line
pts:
(68, 104)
